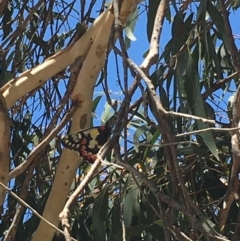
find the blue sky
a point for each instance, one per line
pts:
(136, 52)
(138, 48)
(141, 45)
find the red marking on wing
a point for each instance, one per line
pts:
(89, 155)
(84, 153)
(83, 141)
(83, 148)
(103, 128)
(91, 158)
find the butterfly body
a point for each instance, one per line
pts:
(88, 142)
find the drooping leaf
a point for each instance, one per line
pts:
(156, 230)
(96, 102)
(196, 104)
(130, 26)
(152, 10)
(100, 207)
(217, 18)
(141, 130)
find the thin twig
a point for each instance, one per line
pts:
(64, 215)
(194, 117)
(160, 196)
(24, 165)
(33, 210)
(20, 208)
(171, 113)
(218, 85)
(208, 129)
(235, 141)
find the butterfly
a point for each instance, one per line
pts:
(88, 142)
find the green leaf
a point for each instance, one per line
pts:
(189, 150)
(107, 114)
(100, 208)
(80, 29)
(181, 75)
(152, 10)
(115, 220)
(141, 130)
(96, 102)
(180, 31)
(213, 56)
(217, 19)
(156, 230)
(6, 21)
(92, 184)
(154, 138)
(130, 26)
(164, 97)
(159, 223)
(235, 4)
(196, 104)
(131, 205)
(128, 209)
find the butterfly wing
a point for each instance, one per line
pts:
(87, 142)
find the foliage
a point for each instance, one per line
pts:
(195, 74)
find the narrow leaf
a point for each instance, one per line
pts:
(196, 104)
(100, 207)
